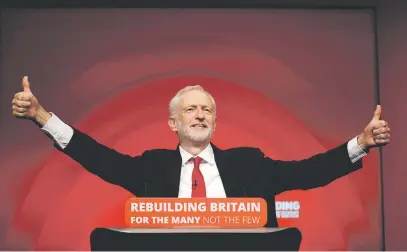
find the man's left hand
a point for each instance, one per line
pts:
(376, 133)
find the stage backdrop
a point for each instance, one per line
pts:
(291, 82)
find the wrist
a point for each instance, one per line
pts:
(42, 116)
(361, 142)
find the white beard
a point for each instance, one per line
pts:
(194, 134)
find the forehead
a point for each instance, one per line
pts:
(195, 97)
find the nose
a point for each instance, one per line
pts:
(200, 114)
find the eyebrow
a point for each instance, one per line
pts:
(194, 106)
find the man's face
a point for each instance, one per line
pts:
(195, 120)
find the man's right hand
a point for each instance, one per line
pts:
(26, 105)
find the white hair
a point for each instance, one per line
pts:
(175, 100)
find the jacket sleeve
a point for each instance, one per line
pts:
(108, 164)
(316, 171)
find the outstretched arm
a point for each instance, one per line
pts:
(108, 164)
(321, 169)
(316, 171)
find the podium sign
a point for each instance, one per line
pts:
(195, 225)
(196, 212)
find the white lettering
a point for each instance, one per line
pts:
(185, 220)
(287, 205)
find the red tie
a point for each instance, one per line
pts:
(198, 182)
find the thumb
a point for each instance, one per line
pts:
(26, 85)
(377, 113)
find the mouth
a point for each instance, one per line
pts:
(199, 125)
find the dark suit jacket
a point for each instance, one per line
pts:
(245, 172)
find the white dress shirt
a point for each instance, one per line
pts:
(210, 172)
(62, 134)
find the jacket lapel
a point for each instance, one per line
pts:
(228, 173)
(173, 168)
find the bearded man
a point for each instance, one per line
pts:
(197, 168)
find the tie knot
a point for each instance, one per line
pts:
(197, 161)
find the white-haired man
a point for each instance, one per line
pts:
(197, 168)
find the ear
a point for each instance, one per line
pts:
(172, 123)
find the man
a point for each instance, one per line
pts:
(197, 168)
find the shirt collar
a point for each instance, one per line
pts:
(207, 155)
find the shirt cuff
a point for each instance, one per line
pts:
(60, 132)
(354, 150)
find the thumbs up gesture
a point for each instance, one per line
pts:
(376, 133)
(25, 104)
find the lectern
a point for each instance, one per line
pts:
(195, 239)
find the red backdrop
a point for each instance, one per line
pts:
(288, 82)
